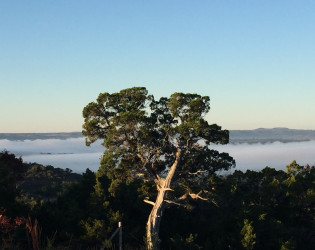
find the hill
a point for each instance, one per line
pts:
(260, 135)
(39, 136)
(263, 135)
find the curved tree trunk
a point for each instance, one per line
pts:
(154, 220)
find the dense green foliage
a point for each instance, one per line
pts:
(253, 210)
(141, 135)
(47, 182)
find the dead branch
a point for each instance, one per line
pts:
(196, 196)
(149, 202)
(198, 172)
(147, 166)
(175, 203)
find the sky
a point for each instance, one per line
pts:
(255, 59)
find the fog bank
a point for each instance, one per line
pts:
(275, 155)
(72, 153)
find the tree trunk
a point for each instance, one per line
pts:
(154, 220)
(153, 224)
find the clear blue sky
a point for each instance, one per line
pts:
(255, 59)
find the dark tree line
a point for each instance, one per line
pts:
(268, 209)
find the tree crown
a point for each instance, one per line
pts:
(141, 135)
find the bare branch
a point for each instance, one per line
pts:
(189, 196)
(198, 172)
(174, 203)
(149, 168)
(141, 158)
(173, 168)
(196, 196)
(214, 202)
(149, 202)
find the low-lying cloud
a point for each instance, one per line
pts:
(275, 155)
(72, 153)
(54, 146)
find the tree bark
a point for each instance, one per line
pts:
(154, 220)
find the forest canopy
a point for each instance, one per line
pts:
(268, 209)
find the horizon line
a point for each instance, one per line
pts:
(71, 132)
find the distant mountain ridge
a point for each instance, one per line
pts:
(260, 135)
(39, 136)
(264, 135)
